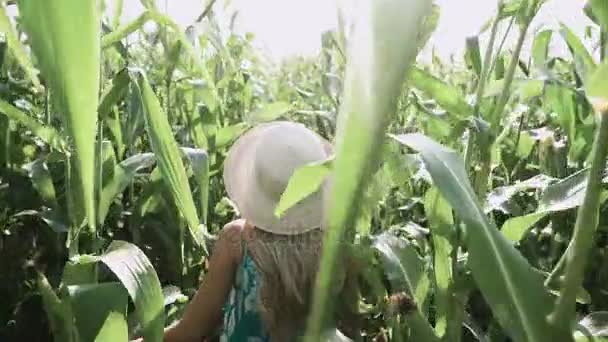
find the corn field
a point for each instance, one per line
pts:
(474, 194)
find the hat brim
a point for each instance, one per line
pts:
(254, 204)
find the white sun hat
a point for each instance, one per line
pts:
(258, 168)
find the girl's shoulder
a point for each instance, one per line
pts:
(231, 239)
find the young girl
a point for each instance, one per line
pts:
(262, 271)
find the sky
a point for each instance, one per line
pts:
(289, 27)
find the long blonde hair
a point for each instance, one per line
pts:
(287, 266)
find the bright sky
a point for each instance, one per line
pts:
(287, 27)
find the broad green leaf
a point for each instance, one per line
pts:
(525, 145)
(562, 101)
(500, 196)
(16, 48)
(473, 54)
(100, 311)
(137, 275)
(429, 25)
(106, 163)
(446, 96)
(515, 228)
(226, 135)
(59, 312)
(172, 59)
(123, 174)
(513, 290)
(304, 182)
(53, 218)
(583, 60)
(42, 181)
(600, 10)
(118, 7)
(194, 117)
(377, 190)
(442, 228)
(405, 271)
(269, 112)
(135, 122)
(540, 48)
(115, 128)
(378, 65)
(48, 134)
(114, 94)
(199, 160)
(209, 125)
(567, 193)
(168, 156)
(122, 32)
(64, 35)
(596, 89)
(523, 88)
(80, 270)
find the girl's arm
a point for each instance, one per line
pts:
(204, 313)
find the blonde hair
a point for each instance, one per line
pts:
(287, 266)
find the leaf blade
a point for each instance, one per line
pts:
(495, 264)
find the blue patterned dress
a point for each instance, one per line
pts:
(242, 321)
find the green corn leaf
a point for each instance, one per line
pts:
(583, 60)
(199, 160)
(115, 128)
(123, 174)
(80, 270)
(473, 54)
(562, 101)
(194, 116)
(596, 89)
(512, 289)
(540, 48)
(64, 36)
(122, 32)
(47, 133)
(100, 311)
(304, 182)
(168, 156)
(600, 10)
(53, 218)
(405, 270)
(269, 112)
(137, 275)
(446, 96)
(173, 59)
(565, 194)
(442, 229)
(382, 51)
(42, 181)
(499, 198)
(116, 92)
(16, 48)
(59, 312)
(227, 135)
(429, 25)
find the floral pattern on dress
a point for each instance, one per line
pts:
(242, 321)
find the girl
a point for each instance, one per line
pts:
(262, 270)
